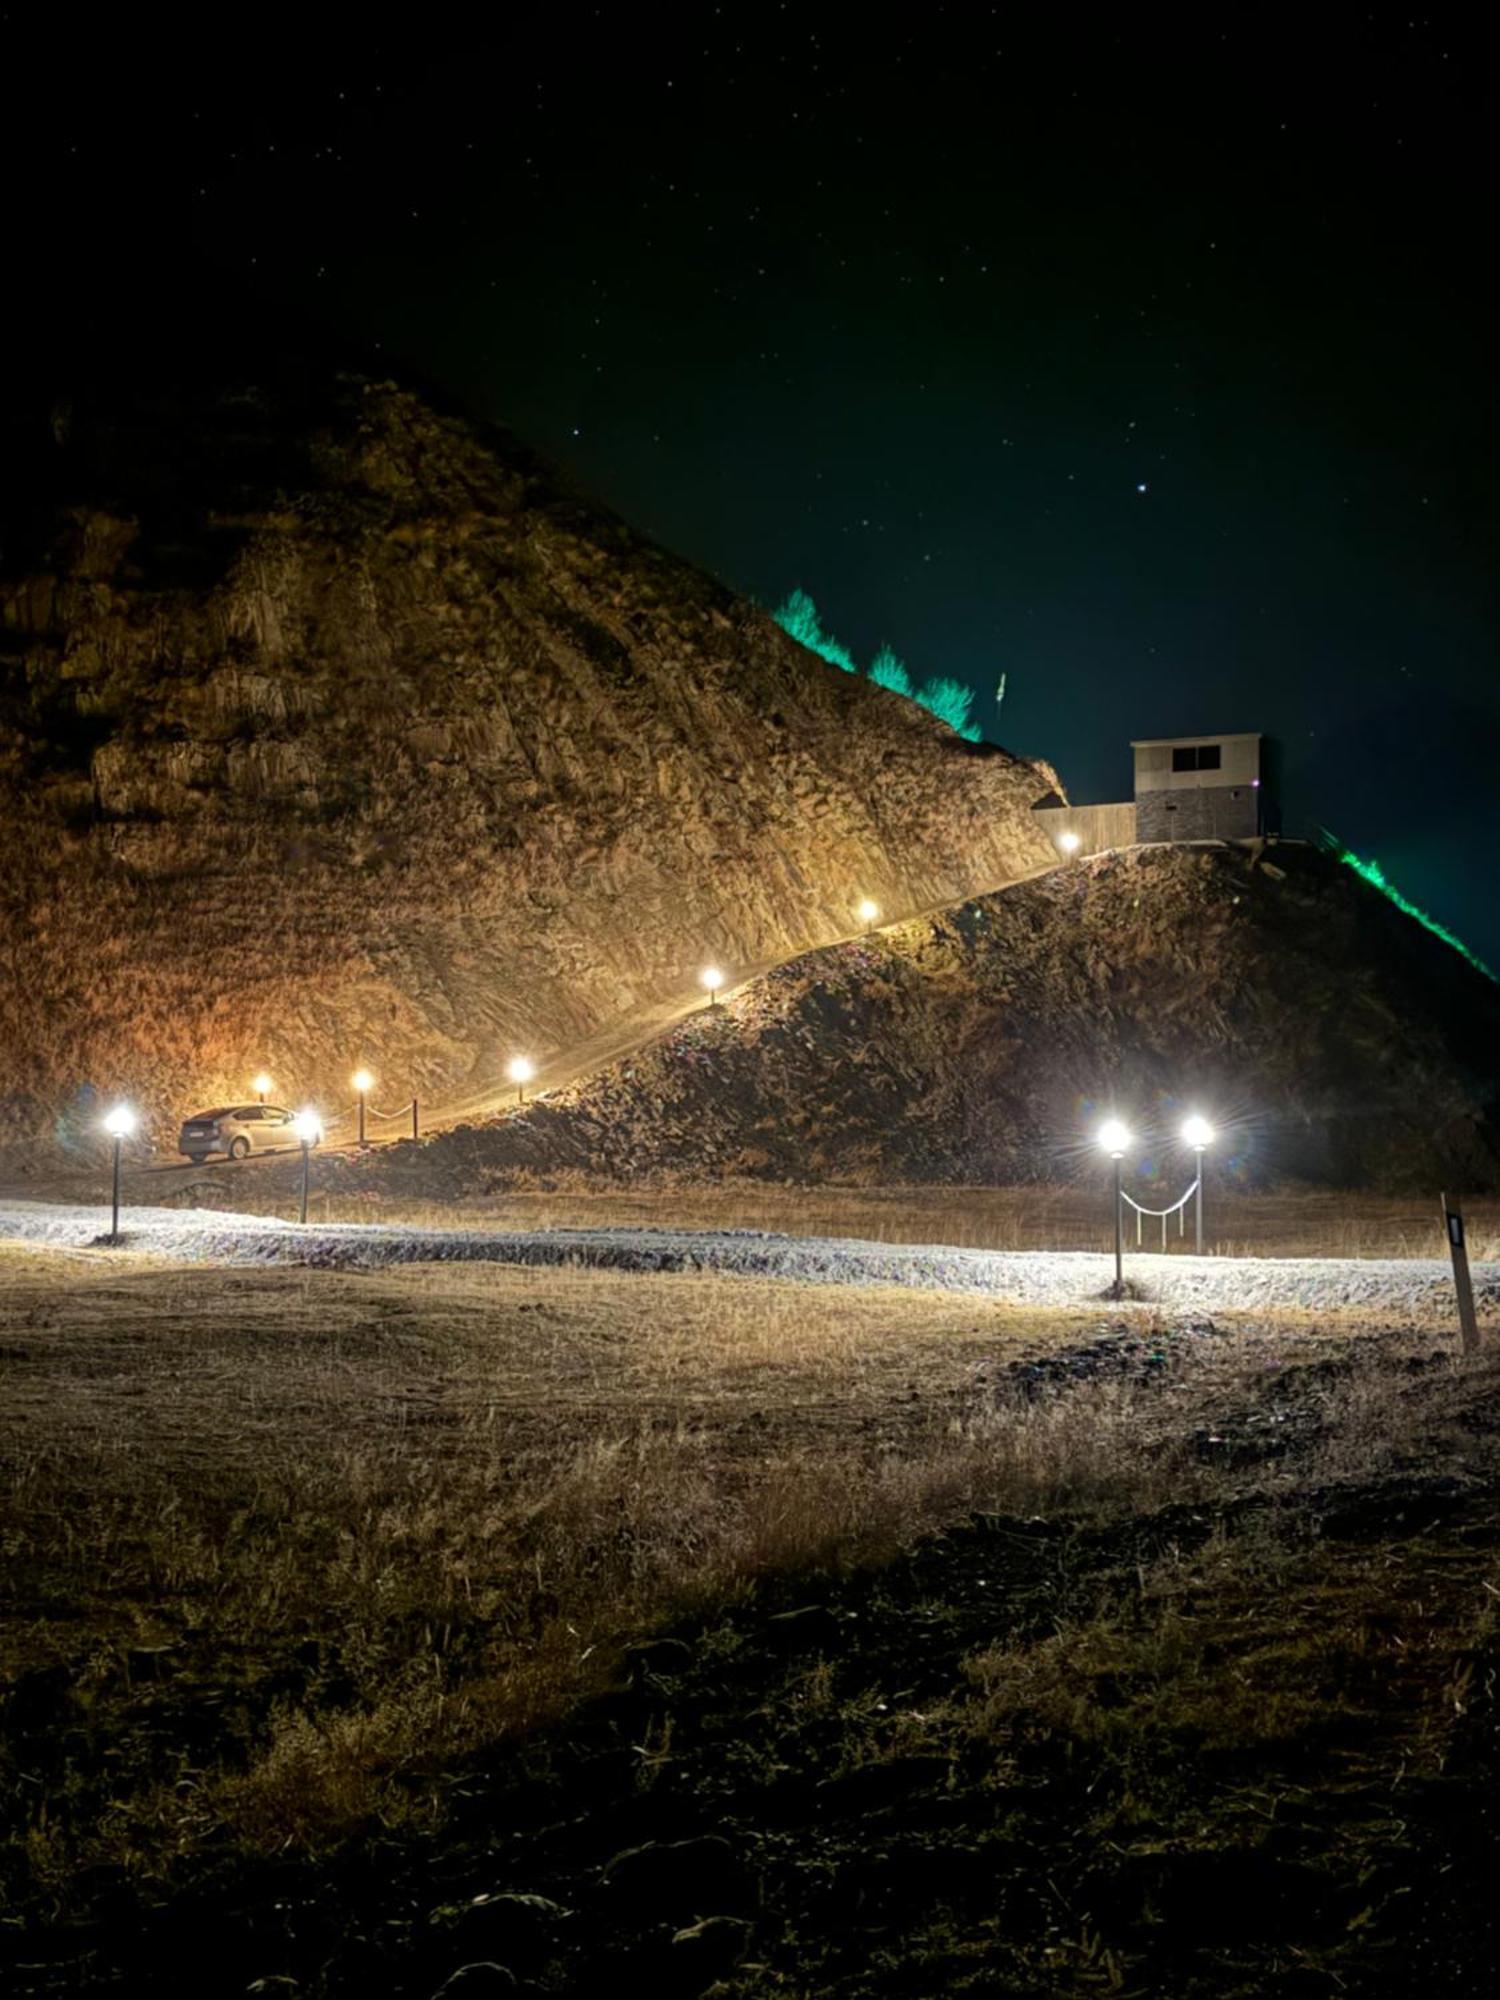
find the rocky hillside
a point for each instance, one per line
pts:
(332, 729)
(1329, 1037)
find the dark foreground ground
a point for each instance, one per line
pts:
(1207, 1708)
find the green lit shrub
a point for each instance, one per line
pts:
(951, 702)
(799, 617)
(887, 671)
(945, 697)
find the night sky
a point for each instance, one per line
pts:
(1150, 364)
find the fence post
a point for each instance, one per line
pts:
(415, 1133)
(1453, 1223)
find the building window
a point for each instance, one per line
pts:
(1197, 757)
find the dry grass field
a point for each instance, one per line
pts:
(1290, 1223)
(1307, 1224)
(270, 1536)
(291, 1555)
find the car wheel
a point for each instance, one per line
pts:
(239, 1149)
(196, 1159)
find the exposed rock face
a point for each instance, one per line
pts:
(1330, 1038)
(331, 730)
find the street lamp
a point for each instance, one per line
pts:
(1116, 1140)
(1199, 1134)
(1070, 842)
(307, 1128)
(262, 1086)
(119, 1123)
(520, 1070)
(868, 914)
(363, 1083)
(711, 979)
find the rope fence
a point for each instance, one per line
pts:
(348, 1111)
(1178, 1208)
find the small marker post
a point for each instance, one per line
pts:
(1458, 1249)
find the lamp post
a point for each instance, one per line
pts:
(1115, 1139)
(711, 979)
(119, 1123)
(362, 1081)
(308, 1127)
(262, 1086)
(520, 1070)
(1199, 1134)
(868, 913)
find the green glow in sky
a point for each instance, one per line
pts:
(1374, 874)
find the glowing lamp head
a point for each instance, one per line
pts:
(307, 1127)
(1114, 1138)
(710, 979)
(520, 1069)
(120, 1122)
(362, 1081)
(867, 911)
(1069, 842)
(1197, 1133)
(262, 1085)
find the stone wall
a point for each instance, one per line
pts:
(1209, 812)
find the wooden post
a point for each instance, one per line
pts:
(414, 1132)
(1453, 1223)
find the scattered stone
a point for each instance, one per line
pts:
(517, 1926)
(1030, 1528)
(484, 1980)
(869, 1787)
(653, 1658)
(682, 1876)
(799, 1630)
(712, 1946)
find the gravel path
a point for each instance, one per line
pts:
(1062, 1278)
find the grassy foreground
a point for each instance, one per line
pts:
(320, 1593)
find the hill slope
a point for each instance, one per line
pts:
(332, 730)
(1330, 1037)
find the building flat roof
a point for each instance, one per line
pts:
(1204, 736)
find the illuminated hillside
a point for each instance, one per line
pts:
(333, 730)
(1329, 1037)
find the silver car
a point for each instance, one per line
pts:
(237, 1131)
